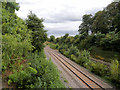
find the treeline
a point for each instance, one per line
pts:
(99, 37)
(24, 64)
(104, 27)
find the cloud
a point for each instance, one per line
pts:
(62, 33)
(72, 25)
(59, 29)
(61, 15)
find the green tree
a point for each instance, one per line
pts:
(10, 6)
(57, 40)
(65, 38)
(107, 20)
(85, 27)
(39, 35)
(100, 23)
(52, 38)
(66, 35)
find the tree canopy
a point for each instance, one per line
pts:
(103, 21)
(39, 35)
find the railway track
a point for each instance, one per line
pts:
(85, 79)
(90, 83)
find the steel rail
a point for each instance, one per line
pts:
(74, 72)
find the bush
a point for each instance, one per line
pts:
(23, 77)
(73, 57)
(115, 70)
(99, 69)
(85, 54)
(47, 71)
(66, 53)
(88, 65)
(16, 39)
(83, 57)
(87, 42)
(73, 50)
(53, 46)
(57, 46)
(38, 73)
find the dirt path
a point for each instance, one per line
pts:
(68, 77)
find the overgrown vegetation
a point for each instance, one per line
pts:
(37, 73)
(24, 64)
(111, 74)
(99, 37)
(23, 61)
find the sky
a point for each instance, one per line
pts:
(61, 16)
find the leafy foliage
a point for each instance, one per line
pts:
(47, 71)
(115, 69)
(23, 78)
(27, 69)
(16, 37)
(39, 35)
(52, 38)
(85, 27)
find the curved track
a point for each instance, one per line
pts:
(81, 76)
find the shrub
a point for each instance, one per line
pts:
(83, 57)
(88, 65)
(23, 77)
(57, 46)
(115, 70)
(99, 69)
(53, 46)
(47, 71)
(87, 42)
(73, 57)
(73, 50)
(66, 53)
(85, 54)
(39, 73)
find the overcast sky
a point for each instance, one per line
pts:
(61, 16)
